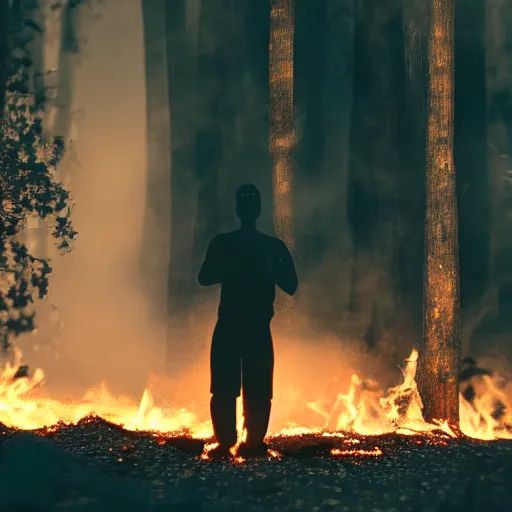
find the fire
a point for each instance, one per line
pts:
(363, 409)
(376, 452)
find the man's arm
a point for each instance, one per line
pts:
(284, 272)
(211, 269)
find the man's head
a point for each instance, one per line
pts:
(248, 203)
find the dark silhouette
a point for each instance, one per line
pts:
(248, 265)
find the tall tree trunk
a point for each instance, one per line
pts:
(337, 94)
(68, 51)
(324, 35)
(498, 23)
(470, 155)
(182, 283)
(415, 14)
(232, 117)
(4, 50)
(36, 232)
(217, 92)
(440, 349)
(309, 73)
(375, 163)
(157, 223)
(282, 124)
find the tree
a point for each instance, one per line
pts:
(28, 184)
(232, 118)
(4, 49)
(498, 45)
(282, 136)
(156, 234)
(375, 168)
(440, 351)
(36, 232)
(470, 155)
(217, 98)
(416, 22)
(182, 282)
(69, 49)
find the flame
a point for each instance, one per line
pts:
(364, 409)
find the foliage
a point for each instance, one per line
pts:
(28, 184)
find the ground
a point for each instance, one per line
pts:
(96, 467)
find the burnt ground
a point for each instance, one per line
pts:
(95, 466)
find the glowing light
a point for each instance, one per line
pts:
(376, 452)
(362, 409)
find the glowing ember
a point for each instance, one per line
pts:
(363, 409)
(376, 452)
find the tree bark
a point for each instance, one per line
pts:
(232, 113)
(440, 349)
(309, 69)
(374, 170)
(217, 95)
(182, 282)
(470, 155)
(415, 17)
(157, 222)
(39, 236)
(69, 49)
(498, 20)
(282, 136)
(324, 35)
(4, 50)
(337, 95)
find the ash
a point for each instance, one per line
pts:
(96, 466)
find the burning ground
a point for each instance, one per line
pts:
(370, 451)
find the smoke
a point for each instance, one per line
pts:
(106, 334)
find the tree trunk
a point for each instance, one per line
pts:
(415, 16)
(157, 222)
(217, 92)
(374, 170)
(309, 173)
(337, 94)
(323, 65)
(470, 155)
(69, 49)
(35, 234)
(498, 21)
(182, 282)
(232, 119)
(282, 136)
(4, 50)
(441, 336)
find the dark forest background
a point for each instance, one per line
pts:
(360, 90)
(360, 71)
(360, 86)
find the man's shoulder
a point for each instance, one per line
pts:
(222, 238)
(272, 241)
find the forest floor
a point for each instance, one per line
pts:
(95, 466)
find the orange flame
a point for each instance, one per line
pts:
(362, 409)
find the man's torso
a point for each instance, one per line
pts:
(248, 288)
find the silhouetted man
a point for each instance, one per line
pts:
(248, 265)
